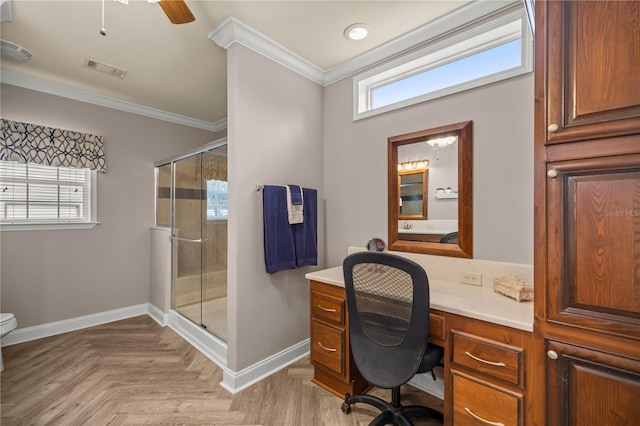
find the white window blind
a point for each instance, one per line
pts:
(35, 194)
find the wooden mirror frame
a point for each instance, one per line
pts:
(464, 248)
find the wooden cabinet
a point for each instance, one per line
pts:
(334, 369)
(485, 364)
(587, 212)
(593, 69)
(591, 387)
(487, 376)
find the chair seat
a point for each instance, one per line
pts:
(432, 356)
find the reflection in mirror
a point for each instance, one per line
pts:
(413, 194)
(430, 191)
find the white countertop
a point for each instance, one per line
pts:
(434, 231)
(480, 303)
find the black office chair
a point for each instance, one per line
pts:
(388, 305)
(450, 238)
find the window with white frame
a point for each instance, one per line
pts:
(217, 194)
(496, 49)
(35, 194)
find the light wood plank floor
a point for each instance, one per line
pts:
(134, 372)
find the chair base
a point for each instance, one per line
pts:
(392, 412)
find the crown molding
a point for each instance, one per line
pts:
(32, 83)
(233, 31)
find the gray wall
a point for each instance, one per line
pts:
(49, 276)
(275, 138)
(355, 166)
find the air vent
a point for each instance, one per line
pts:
(14, 52)
(105, 68)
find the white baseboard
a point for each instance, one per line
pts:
(234, 382)
(158, 316)
(21, 335)
(208, 344)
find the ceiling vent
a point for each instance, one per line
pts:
(14, 52)
(105, 68)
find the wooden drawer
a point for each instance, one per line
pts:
(328, 347)
(327, 307)
(479, 403)
(437, 327)
(488, 356)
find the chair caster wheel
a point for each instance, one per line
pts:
(346, 408)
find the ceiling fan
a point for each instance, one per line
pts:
(176, 10)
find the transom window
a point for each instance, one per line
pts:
(494, 50)
(37, 194)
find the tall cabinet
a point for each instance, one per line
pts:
(587, 213)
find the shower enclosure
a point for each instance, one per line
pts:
(192, 200)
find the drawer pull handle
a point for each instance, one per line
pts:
(483, 420)
(326, 348)
(497, 364)
(325, 309)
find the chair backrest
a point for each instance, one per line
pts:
(388, 305)
(450, 238)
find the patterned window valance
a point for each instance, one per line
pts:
(30, 143)
(214, 167)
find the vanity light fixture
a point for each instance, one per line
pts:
(413, 165)
(357, 31)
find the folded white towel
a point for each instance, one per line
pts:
(294, 212)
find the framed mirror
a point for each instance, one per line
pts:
(430, 193)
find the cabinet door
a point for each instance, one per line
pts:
(593, 234)
(587, 387)
(593, 81)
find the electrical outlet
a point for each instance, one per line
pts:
(473, 278)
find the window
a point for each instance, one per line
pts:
(217, 200)
(494, 50)
(34, 196)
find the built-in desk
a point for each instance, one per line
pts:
(487, 339)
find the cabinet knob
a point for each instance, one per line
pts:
(552, 173)
(552, 354)
(553, 128)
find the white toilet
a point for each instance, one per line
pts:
(8, 323)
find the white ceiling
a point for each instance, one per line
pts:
(177, 68)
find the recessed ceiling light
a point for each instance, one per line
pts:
(357, 31)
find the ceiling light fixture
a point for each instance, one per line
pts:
(14, 52)
(442, 142)
(357, 31)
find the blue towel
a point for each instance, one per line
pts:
(296, 194)
(279, 249)
(305, 234)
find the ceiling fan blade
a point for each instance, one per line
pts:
(177, 11)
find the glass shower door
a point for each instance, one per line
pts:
(199, 235)
(214, 214)
(187, 237)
